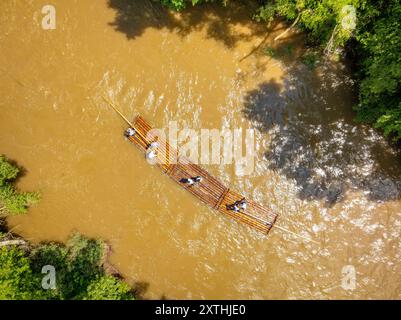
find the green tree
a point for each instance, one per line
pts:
(108, 288)
(17, 281)
(11, 201)
(8, 172)
(182, 4)
(379, 58)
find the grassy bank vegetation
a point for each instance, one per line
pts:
(80, 265)
(13, 202)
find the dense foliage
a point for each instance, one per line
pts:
(369, 29)
(108, 288)
(79, 272)
(380, 68)
(181, 4)
(12, 201)
(17, 281)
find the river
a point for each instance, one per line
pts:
(329, 178)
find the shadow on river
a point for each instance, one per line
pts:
(133, 20)
(315, 140)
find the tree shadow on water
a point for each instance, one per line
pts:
(314, 140)
(140, 289)
(134, 17)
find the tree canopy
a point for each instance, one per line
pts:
(380, 69)
(11, 201)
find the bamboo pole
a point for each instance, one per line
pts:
(112, 105)
(293, 233)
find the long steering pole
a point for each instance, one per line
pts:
(111, 104)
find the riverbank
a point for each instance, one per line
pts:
(78, 270)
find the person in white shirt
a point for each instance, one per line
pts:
(151, 151)
(130, 132)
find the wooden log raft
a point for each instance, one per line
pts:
(210, 190)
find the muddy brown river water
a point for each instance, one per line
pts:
(329, 178)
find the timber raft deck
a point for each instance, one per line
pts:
(210, 190)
